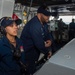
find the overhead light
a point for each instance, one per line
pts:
(25, 21)
(25, 13)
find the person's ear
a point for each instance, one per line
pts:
(3, 30)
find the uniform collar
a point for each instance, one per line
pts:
(6, 41)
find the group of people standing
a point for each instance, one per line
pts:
(18, 56)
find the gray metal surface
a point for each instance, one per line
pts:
(6, 8)
(61, 63)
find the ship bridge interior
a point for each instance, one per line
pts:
(62, 36)
(63, 7)
(60, 7)
(26, 9)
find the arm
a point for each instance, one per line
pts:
(38, 39)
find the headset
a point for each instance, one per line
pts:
(2, 29)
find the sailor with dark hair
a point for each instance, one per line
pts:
(36, 39)
(11, 48)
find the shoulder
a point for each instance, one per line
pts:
(19, 41)
(34, 20)
(30, 23)
(70, 23)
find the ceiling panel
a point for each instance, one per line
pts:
(48, 2)
(62, 6)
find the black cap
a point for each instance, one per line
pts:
(6, 21)
(44, 10)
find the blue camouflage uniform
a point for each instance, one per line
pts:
(8, 65)
(34, 36)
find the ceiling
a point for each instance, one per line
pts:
(66, 7)
(48, 2)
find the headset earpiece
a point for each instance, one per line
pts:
(3, 30)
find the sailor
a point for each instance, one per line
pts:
(11, 48)
(36, 39)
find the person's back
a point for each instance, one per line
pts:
(31, 27)
(72, 30)
(61, 25)
(72, 25)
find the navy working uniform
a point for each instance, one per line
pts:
(8, 64)
(34, 36)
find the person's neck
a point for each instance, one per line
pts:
(39, 17)
(11, 38)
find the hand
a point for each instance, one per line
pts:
(49, 54)
(48, 43)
